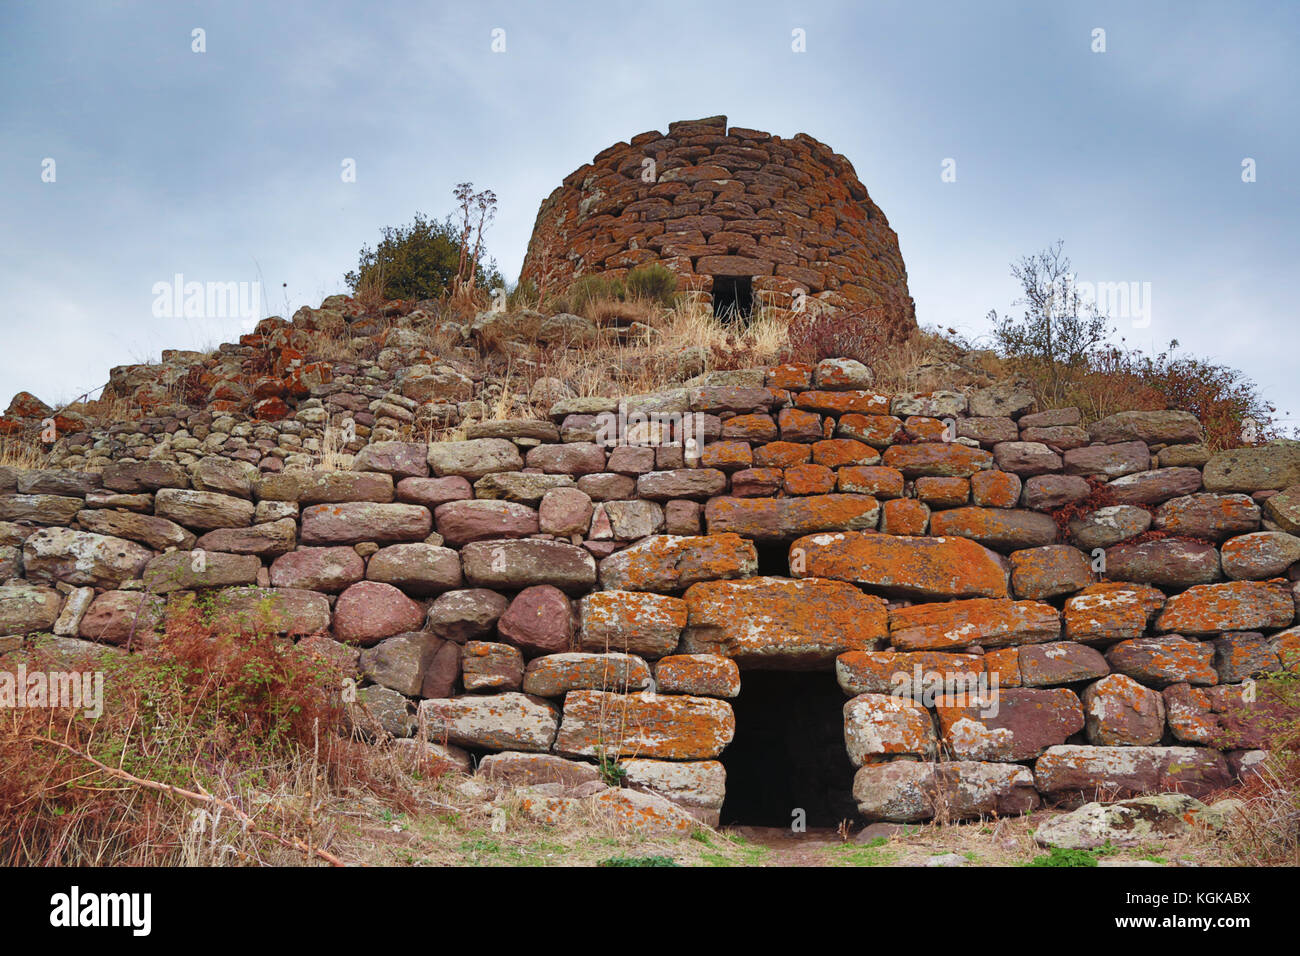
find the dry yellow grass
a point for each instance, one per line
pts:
(21, 453)
(333, 455)
(610, 312)
(682, 342)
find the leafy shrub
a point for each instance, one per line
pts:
(654, 283)
(1059, 345)
(1115, 379)
(1059, 328)
(1223, 398)
(418, 261)
(589, 289)
(644, 286)
(1100, 495)
(611, 771)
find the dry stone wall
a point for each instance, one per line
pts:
(1017, 608)
(706, 200)
(273, 400)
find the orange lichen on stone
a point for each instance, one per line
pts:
(1127, 770)
(555, 674)
(774, 519)
(1287, 646)
(934, 568)
(640, 813)
(1004, 664)
(704, 675)
(781, 454)
(907, 673)
(1120, 712)
(978, 621)
(843, 403)
(937, 459)
(808, 480)
(1017, 724)
(671, 563)
(727, 455)
(669, 727)
(792, 375)
(631, 621)
(748, 428)
(874, 480)
(1009, 528)
(837, 452)
(1111, 611)
(924, 429)
(879, 725)
(1234, 606)
(904, 516)
(777, 622)
(1190, 716)
(797, 425)
(1229, 716)
(943, 492)
(995, 489)
(877, 431)
(1049, 571)
(1164, 660)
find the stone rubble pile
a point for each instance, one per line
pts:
(273, 402)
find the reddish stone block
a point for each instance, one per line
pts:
(1120, 712)
(995, 489)
(781, 454)
(877, 430)
(797, 425)
(914, 567)
(1234, 606)
(1049, 571)
(978, 621)
(1013, 724)
(808, 480)
(943, 492)
(839, 452)
(904, 516)
(937, 459)
(874, 480)
(850, 402)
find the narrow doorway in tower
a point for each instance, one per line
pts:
(733, 298)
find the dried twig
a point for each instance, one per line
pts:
(200, 797)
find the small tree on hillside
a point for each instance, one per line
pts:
(477, 211)
(1060, 328)
(428, 258)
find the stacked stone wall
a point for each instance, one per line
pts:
(1018, 608)
(706, 200)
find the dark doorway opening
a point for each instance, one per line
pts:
(788, 752)
(733, 298)
(773, 558)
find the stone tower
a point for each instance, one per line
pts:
(737, 214)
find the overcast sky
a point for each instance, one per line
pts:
(226, 165)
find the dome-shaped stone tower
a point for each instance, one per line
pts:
(736, 213)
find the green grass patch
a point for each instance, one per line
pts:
(638, 861)
(872, 853)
